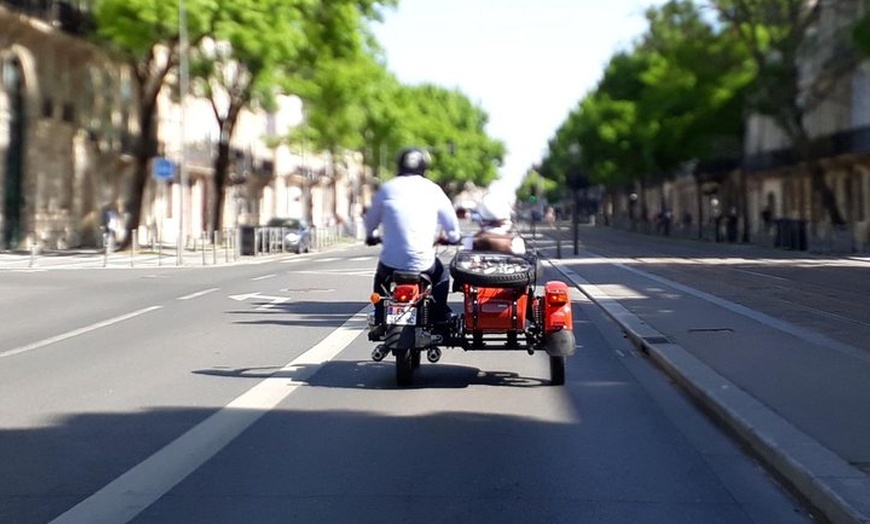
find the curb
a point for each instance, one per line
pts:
(838, 490)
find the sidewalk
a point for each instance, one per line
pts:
(210, 256)
(799, 399)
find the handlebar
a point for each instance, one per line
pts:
(440, 241)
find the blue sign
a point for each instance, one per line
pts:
(162, 169)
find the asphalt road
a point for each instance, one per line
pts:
(245, 393)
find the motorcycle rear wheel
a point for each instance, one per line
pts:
(404, 367)
(399, 342)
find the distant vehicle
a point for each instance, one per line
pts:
(294, 236)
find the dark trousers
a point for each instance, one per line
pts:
(440, 288)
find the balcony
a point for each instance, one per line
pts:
(850, 142)
(66, 16)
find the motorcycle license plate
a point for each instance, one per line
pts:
(402, 315)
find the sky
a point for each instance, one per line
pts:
(527, 63)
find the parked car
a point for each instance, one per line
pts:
(294, 234)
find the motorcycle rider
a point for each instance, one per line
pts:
(410, 210)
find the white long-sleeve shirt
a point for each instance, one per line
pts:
(411, 210)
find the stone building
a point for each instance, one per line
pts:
(67, 133)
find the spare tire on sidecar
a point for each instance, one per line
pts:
(491, 269)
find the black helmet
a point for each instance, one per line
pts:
(414, 161)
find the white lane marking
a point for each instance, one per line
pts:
(77, 332)
(131, 493)
(199, 293)
(272, 304)
(361, 259)
(757, 274)
(340, 272)
(264, 277)
(256, 294)
(329, 259)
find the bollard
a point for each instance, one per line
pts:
(558, 240)
(132, 248)
(32, 254)
(159, 254)
(202, 242)
(214, 242)
(105, 249)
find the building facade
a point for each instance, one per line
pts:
(68, 133)
(766, 195)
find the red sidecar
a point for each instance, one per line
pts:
(500, 312)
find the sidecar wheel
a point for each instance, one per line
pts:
(557, 371)
(404, 367)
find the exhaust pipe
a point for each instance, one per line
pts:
(433, 355)
(379, 353)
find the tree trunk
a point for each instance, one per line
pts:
(826, 194)
(221, 168)
(744, 192)
(700, 196)
(146, 149)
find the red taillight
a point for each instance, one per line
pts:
(558, 297)
(405, 292)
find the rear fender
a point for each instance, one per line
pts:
(399, 338)
(557, 308)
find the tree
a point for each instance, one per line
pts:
(250, 44)
(358, 104)
(454, 129)
(144, 34)
(674, 97)
(257, 46)
(783, 38)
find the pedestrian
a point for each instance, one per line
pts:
(496, 231)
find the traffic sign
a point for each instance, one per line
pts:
(162, 168)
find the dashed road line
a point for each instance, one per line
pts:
(199, 293)
(76, 332)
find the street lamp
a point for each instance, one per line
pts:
(575, 182)
(182, 88)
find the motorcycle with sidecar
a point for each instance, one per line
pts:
(501, 312)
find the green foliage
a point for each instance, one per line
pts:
(453, 129)
(780, 36)
(675, 96)
(534, 187)
(861, 35)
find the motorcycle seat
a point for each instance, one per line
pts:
(409, 277)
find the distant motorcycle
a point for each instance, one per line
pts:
(501, 312)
